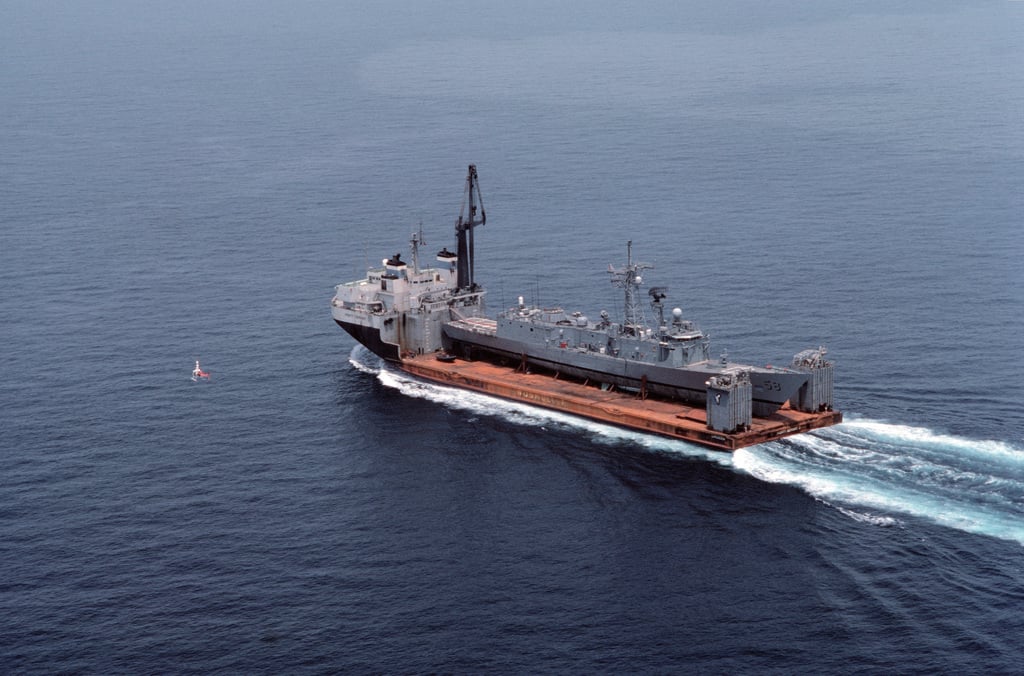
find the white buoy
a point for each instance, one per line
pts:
(198, 373)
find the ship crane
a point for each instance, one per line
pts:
(464, 230)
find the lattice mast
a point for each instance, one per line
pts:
(629, 279)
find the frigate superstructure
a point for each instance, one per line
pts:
(407, 313)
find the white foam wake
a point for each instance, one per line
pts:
(364, 360)
(974, 486)
(871, 471)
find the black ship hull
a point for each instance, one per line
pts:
(370, 338)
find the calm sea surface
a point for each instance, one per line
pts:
(183, 181)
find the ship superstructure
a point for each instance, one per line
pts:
(399, 310)
(406, 314)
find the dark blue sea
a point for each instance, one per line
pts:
(189, 180)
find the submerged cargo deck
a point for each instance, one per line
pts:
(625, 409)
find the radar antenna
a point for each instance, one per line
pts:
(658, 294)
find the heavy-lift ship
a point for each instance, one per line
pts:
(660, 378)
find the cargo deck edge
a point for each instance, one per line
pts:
(668, 418)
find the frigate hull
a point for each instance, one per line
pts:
(771, 388)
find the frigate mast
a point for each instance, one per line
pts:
(464, 230)
(629, 279)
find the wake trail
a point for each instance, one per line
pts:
(871, 471)
(976, 486)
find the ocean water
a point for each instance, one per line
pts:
(190, 180)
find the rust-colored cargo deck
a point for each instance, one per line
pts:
(668, 418)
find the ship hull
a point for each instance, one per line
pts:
(666, 418)
(370, 337)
